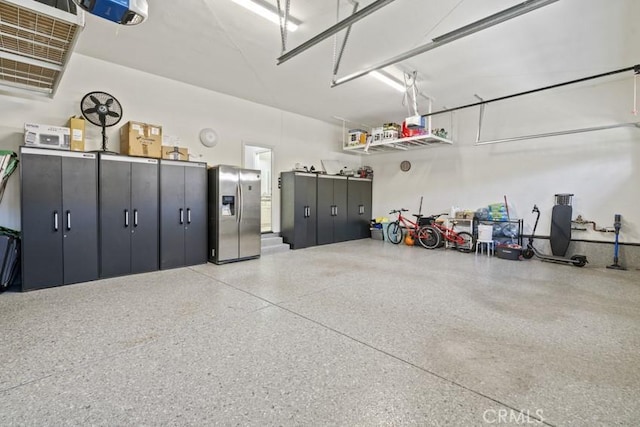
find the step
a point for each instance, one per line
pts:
(271, 241)
(267, 250)
(266, 235)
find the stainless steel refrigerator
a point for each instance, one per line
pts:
(234, 214)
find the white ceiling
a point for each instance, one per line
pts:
(218, 45)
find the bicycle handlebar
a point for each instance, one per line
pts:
(398, 211)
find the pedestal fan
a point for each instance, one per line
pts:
(101, 109)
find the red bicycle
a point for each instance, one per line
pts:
(428, 237)
(462, 241)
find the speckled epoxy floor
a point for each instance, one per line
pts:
(357, 333)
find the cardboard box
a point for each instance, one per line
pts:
(46, 136)
(175, 153)
(141, 139)
(76, 124)
(464, 215)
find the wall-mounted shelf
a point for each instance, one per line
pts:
(395, 145)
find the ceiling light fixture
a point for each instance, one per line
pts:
(388, 81)
(268, 11)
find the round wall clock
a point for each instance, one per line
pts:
(405, 166)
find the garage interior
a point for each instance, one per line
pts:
(522, 102)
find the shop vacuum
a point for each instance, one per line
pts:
(560, 236)
(617, 224)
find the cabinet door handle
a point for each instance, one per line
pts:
(55, 220)
(181, 216)
(336, 210)
(188, 215)
(68, 220)
(361, 210)
(126, 218)
(307, 212)
(135, 217)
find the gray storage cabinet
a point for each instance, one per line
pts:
(298, 209)
(183, 213)
(129, 215)
(59, 217)
(332, 209)
(359, 208)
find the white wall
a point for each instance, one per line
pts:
(182, 110)
(602, 168)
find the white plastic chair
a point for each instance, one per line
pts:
(485, 239)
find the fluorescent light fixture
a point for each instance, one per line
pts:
(268, 12)
(388, 81)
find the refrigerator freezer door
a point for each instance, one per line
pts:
(249, 213)
(227, 188)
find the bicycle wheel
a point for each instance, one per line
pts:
(464, 242)
(429, 237)
(394, 232)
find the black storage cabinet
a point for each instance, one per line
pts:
(183, 213)
(129, 204)
(59, 217)
(298, 209)
(332, 209)
(358, 208)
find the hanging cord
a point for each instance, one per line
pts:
(283, 23)
(338, 55)
(334, 64)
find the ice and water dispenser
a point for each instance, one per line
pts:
(228, 205)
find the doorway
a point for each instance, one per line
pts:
(261, 157)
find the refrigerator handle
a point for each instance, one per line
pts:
(181, 216)
(68, 220)
(55, 220)
(241, 202)
(238, 203)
